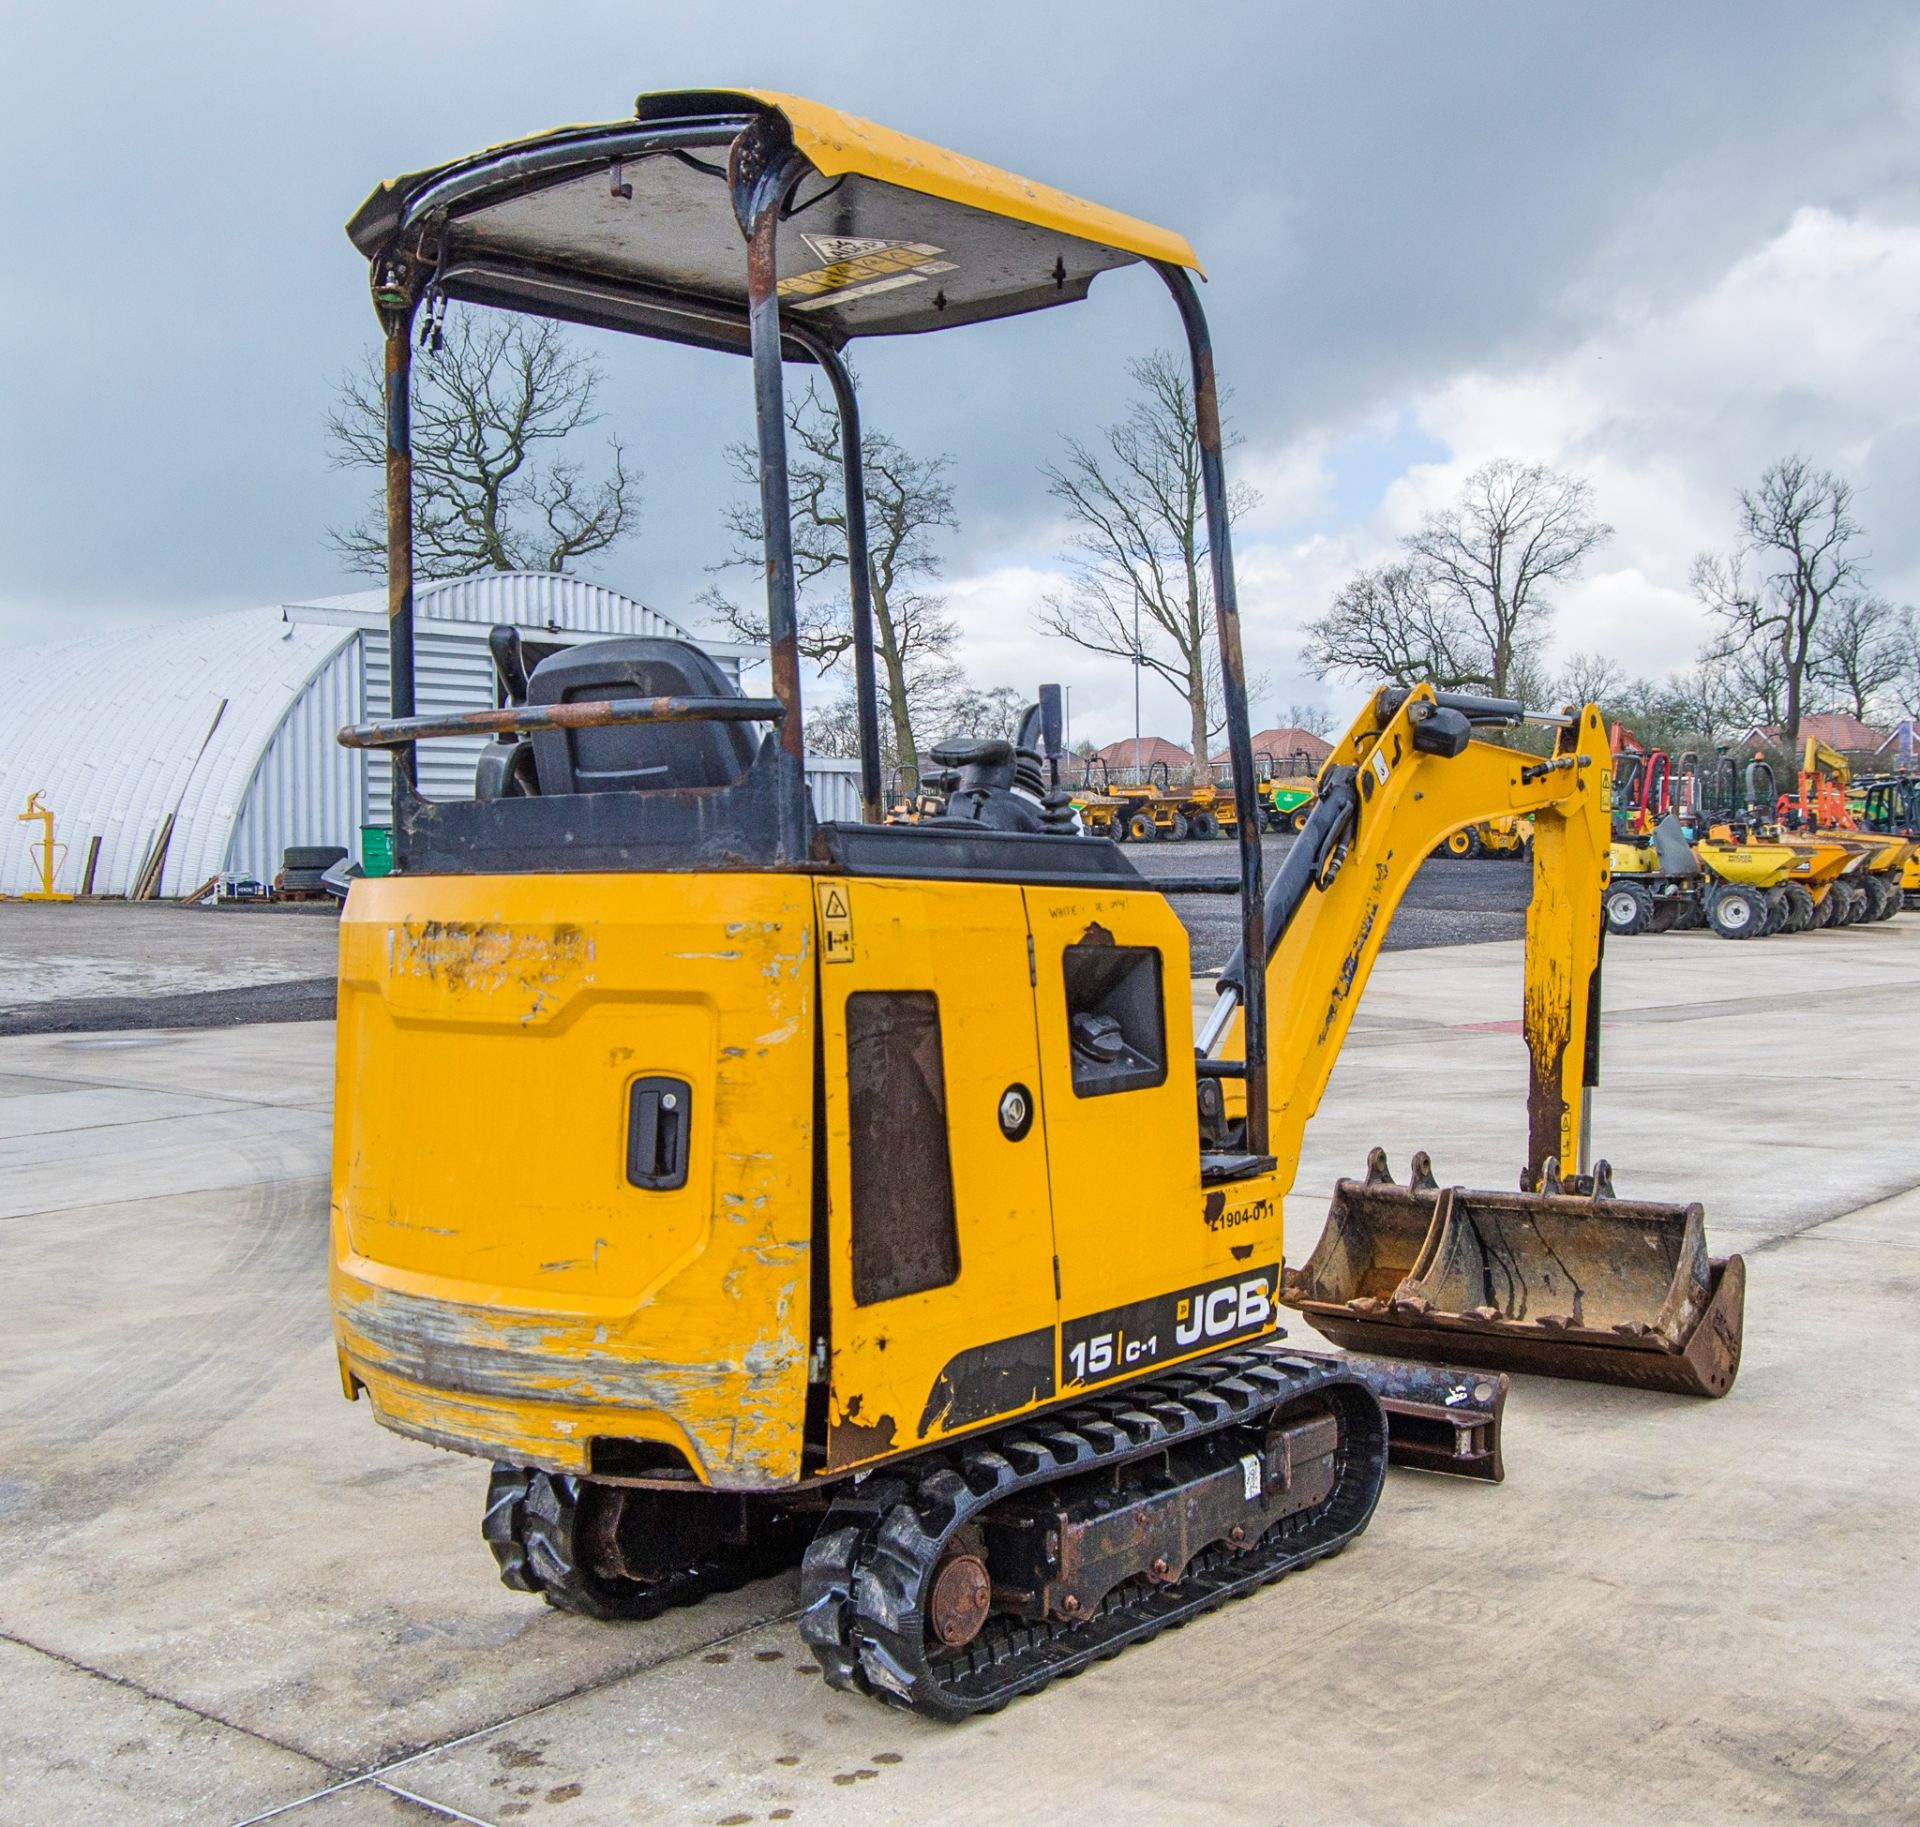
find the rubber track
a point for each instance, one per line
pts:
(530, 1523)
(869, 1567)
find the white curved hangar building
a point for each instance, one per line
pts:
(211, 741)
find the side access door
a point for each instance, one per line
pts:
(1155, 1263)
(939, 1230)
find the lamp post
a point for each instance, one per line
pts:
(1137, 657)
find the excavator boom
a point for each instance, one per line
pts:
(1560, 1277)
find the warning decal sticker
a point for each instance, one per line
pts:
(856, 266)
(836, 924)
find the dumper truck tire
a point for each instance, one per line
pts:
(1735, 911)
(1117, 830)
(1203, 825)
(1886, 897)
(1276, 821)
(1777, 910)
(1629, 908)
(1298, 822)
(1141, 828)
(1800, 910)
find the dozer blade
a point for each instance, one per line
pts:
(1560, 1283)
(1437, 1420)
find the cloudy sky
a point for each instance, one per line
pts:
(1656, 244)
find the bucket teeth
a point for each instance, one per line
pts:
(1568, 1281)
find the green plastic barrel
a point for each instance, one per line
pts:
(376, 849)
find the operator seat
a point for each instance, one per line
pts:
(621, 758)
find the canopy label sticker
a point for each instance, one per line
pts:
(857, 266)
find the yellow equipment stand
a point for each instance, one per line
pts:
(49, 860)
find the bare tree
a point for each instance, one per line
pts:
(1904, 686)
(833, 728)
(994, 712)
(492, 396)
(1139, 550)
(1388, 623)
(1590, 678)
(1712, 699)
(1517, 530)
(1470, 603)
(1792, 563)
(1315, 719)
(909, 499)
(1856, 652)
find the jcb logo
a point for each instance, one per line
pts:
(1233, 1307)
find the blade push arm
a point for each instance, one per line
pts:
(1385, 803)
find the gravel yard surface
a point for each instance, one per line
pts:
(1450, 903)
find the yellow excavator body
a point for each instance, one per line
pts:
(504, 1286)
(511, 1280)
(717, 1170)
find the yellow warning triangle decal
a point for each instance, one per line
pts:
(834, 905)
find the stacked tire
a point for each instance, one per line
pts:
(302, 866)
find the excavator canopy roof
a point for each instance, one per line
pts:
(630, 225)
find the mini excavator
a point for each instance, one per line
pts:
(746, 1186)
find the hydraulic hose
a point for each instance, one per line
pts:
(1328, 830)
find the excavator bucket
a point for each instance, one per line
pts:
(1561, 1283)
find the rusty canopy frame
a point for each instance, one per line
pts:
(410, 232)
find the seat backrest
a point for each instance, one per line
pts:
(637, 757)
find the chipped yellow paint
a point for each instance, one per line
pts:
(490, 1256)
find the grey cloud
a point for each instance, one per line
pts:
(1381, 194)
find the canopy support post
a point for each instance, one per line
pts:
(859, 565)
(1233, 678)
(762, 176)
(396, 298)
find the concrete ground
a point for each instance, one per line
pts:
(96, 966)
(61, 952)
(227, 1596)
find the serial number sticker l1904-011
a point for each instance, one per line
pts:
(1124, 1340)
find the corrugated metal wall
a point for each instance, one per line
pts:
(307, 788)
(533, 600)
(128, 729)
(452, 671)
(835, 786)
(226, 724)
